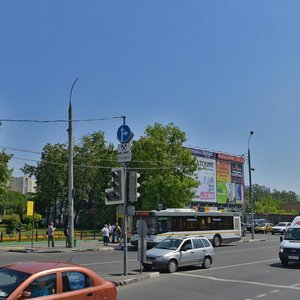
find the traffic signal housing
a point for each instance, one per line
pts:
(114, 195)
(133, 186)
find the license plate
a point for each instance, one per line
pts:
(293, 257)
(149, 262)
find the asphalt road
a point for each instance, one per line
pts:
(245, 271)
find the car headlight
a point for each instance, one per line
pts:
(159, 258)
(281, 249)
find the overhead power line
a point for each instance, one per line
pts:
(59, 120)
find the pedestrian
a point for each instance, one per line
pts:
(113, 233)
(66, 233)
(105, 234)
(109, 229)
(118, 232)
(51, 230)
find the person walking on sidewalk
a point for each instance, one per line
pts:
(118, 233)
(66, 233)
(51, 230)
(105, 234)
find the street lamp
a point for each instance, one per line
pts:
(70, 175)
(250, 187)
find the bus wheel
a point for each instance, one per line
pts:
(206, 263)
(216, 241)
(172, 266)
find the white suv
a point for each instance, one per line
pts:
(281, 228)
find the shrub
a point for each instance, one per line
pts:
(11, 222)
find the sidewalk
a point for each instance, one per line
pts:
(89, 245)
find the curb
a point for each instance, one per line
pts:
(255, 240)
(135, 279)
(58, 250)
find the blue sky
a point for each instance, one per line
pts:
(216, 69)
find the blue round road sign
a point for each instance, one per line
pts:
(124, 134)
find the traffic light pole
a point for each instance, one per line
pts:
(125, 222)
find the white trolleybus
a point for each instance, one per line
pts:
(218, 227)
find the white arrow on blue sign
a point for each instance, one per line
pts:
(124, 134)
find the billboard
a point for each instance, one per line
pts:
(221, 178)
(206, 190)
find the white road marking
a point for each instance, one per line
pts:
(261, 295)
(236, 265)
(239, 281)
(275, 291)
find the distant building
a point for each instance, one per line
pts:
(23, 185)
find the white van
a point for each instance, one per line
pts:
(289, 250)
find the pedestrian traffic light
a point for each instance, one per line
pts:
(114, 195)
(133, 186)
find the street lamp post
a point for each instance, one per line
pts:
(70, 176)
(250, 187)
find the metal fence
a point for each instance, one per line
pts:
(37, 235)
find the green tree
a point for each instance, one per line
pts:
(93, 159)
(51, 175)
(166, 167)
(15, 203)
(5, 176)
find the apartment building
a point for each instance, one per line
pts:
(23, 184)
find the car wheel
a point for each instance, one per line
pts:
(284, 262)
(147, 267)
(217, 241)
(172, 266)
(206, 263)
(272, 233)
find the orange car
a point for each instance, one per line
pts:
(53, 280)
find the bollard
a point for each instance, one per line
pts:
(75, 242)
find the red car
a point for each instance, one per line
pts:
(53, 280)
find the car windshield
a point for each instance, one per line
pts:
(292, 234)
(281, 225)
(10, 280)
(261, 224)
(169, 244)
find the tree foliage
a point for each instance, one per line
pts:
(166, 167)
(266, 201)
(5, 172)
(93, 159)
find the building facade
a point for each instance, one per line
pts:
(24, 185)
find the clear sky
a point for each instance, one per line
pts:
(216, 69)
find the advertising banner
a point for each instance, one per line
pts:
(30, 208)
(225, 190)
(206, 190)
(221, 177)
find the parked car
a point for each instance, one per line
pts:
(256, 222)
(264, 227)
(54, 279)
(243, 229)
(281, 228)
(175, 252)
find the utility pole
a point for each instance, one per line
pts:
(250, 187)
(70, 176)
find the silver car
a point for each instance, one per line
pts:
(175, 252)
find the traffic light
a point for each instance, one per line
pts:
(114, 195)
(133, 186)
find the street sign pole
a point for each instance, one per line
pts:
(125, 222)
(124, 135)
